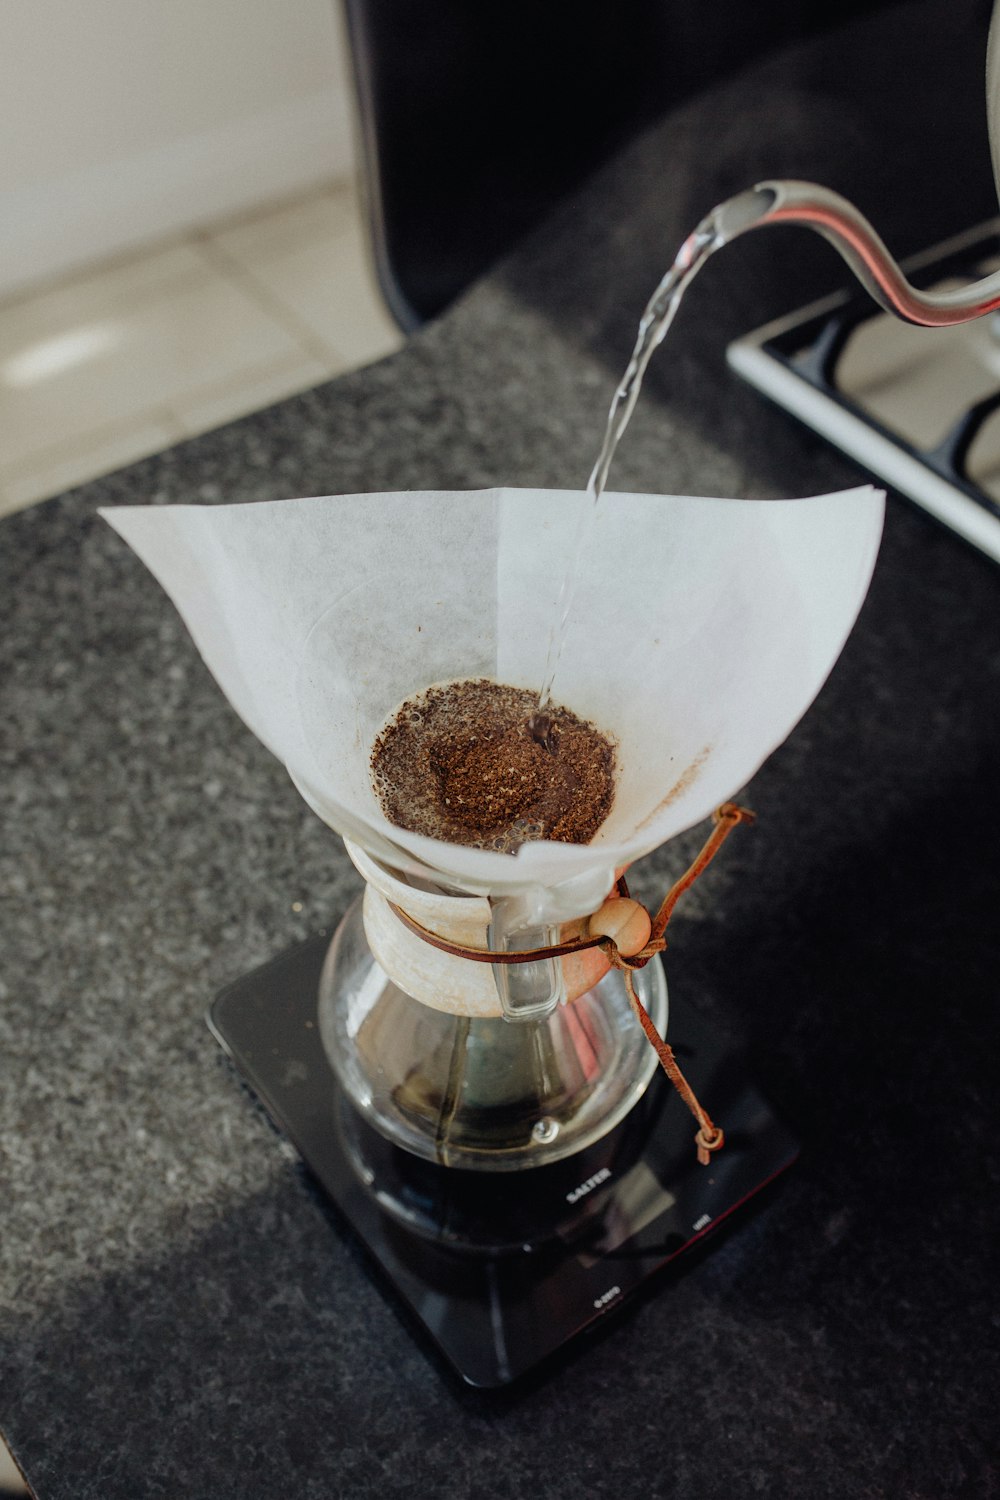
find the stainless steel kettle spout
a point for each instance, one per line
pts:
(789, 202)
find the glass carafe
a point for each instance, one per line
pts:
(483, 1092)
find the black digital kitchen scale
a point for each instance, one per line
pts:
(503, 1268)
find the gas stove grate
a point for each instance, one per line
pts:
(918, 407)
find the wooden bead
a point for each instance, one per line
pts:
(625, 922)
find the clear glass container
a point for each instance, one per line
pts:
(483, 1093)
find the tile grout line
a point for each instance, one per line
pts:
(124, 259)
(104, 424)
(160, 414)
(79, 458)
(177, 281)
(164, 414)
(88, 270)
(95, 437)
(208, 394)
(223, 263)
(81, 471)
(332, 187)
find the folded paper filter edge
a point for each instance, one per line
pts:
(153, 524)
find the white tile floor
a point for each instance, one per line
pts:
(124, 359)
(12, 1483)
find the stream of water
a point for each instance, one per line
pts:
(723, 224)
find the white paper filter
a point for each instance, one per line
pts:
(700, 632)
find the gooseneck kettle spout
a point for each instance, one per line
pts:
(849, 232)
(804, 203)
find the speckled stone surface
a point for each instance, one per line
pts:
(179, 1312)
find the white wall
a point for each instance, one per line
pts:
(123, 120)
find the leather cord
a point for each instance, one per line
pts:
(709, 1138)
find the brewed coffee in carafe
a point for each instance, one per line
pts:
(461, 1088)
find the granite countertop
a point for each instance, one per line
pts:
(179, 1311)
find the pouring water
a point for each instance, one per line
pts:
(777, 202)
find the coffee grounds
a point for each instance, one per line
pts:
(473, 762)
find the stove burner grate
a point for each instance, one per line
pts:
(918, 407)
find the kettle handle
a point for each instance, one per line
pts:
(993, 93)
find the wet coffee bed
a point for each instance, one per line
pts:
(475, 762)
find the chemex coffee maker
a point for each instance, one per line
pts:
(469, 1066)
(500, 1134)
